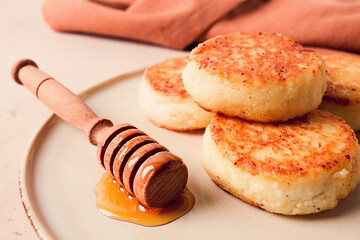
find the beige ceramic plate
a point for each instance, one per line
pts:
(60, 172)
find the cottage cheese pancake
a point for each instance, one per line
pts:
(342, 96)
(302, 166)
(259, 77)
(164, 100)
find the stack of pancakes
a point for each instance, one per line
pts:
(267, 143)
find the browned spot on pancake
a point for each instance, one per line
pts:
(308, 145)
(336, 94)
(343, 79)
(165, 77)
(258, 57)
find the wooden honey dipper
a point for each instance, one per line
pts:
(146, 169)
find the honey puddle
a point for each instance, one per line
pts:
(115, 202)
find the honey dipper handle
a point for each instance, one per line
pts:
(60, 100)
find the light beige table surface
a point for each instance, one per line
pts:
(78, 61)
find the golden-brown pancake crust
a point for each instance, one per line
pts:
(258, 57)
(165, 77)
(343, 85)
(314, 143)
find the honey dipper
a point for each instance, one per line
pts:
(146, 169)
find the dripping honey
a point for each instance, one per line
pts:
(117, 203)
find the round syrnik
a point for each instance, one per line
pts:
(261, 77)
(342, 96)
(164, 100)
(302, 166)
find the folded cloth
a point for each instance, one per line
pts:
(177, 24)
(330, 51)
